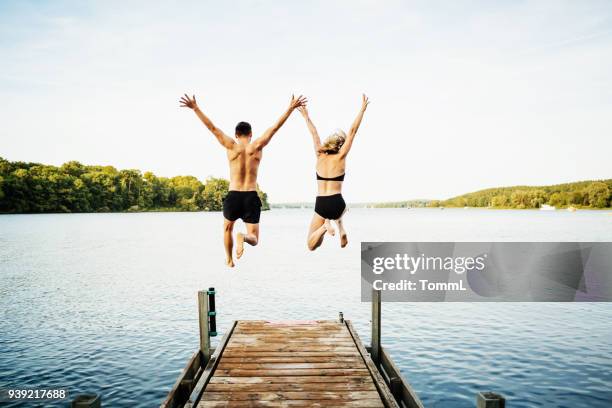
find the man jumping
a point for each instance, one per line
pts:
(244, 157)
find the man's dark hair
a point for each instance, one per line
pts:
(243, 129)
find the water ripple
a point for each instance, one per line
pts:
(106, 303)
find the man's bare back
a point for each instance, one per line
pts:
(244, 157)
(244, 162)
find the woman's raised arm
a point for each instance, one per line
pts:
(346, 147)
(311, 127)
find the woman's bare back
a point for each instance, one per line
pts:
(330, 166)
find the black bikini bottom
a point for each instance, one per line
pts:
(330, 207)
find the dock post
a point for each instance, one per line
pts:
(376, 308)
(490, 400)
(204, 329)
(86, 401)
(341, 317)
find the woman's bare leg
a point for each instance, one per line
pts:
(251, 237)
(316, 232)
(342, 231)
(228, 241)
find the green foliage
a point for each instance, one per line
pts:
(214, 192)
(585, 194)
(74, 187)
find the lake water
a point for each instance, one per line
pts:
(106, 303)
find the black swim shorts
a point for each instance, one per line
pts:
(330, 207)
(242, 204)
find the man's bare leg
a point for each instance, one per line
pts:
(341, 230)
(251, 237)
(329, 228)
(228, 241)
(316, 232)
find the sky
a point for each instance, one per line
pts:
(465, 95)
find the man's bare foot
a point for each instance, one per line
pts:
(328, 227)
(239, 245)
(229, 262)
(343, 240)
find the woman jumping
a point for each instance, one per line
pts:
(331, 164)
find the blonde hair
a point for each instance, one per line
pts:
(333, 143)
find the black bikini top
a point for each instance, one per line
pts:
(337, 178)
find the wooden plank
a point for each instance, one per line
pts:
(289, 395)
(293, 337)
(293, 372)
(384, 391)
(318, 386)
(247, 353)
(373, 403)
(292, 333)
(376, 312)
(288, 323)
(290, 358)
(210, 367)
(287, 348)
(303, 335)
(293, 380)
(407, 394)
(179, 393)
(280, 328)
(255, 342)
(286, 366)
(203, 323)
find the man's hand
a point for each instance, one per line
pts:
(365, 101)
(297, 103)
(187, 102)
(225, 140)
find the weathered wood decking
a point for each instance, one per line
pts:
(293, 364)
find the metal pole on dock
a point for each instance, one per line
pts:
(212, 313)
(490, 400)
(376, 308)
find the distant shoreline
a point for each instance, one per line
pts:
(280, 207)
(283, 207)
(588, 194)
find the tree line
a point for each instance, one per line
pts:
(401, 204)
(582, 194)
(74, 187)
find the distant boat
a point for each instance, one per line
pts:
(546, 207)
(571, 208)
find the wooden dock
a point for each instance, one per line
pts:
(294, 364)
(315, 363)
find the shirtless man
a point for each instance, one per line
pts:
(244, 157)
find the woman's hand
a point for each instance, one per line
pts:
(303, 111)
(187, 102)
(365, 101)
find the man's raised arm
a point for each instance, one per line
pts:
(264, 139)
(225, 140)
